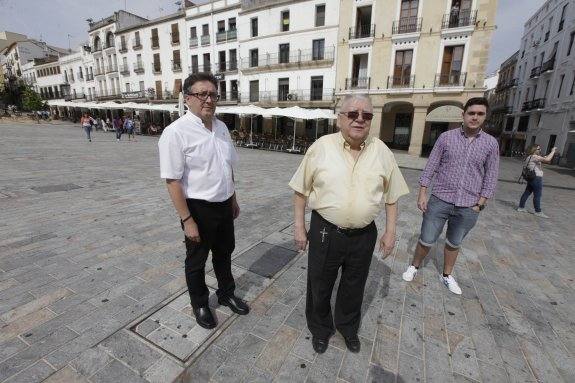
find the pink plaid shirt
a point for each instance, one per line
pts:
(461, 171)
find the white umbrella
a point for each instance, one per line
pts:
(181, 107)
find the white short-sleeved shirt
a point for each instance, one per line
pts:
(202, 159)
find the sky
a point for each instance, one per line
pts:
(57, 21)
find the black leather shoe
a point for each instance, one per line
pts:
(204, 317)
(353, 344)
(319, 344)
(235, 304)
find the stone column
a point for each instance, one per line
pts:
(376, 122)
(417, 130)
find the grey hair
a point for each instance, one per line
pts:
(348, 98)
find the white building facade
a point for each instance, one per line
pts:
(544, 103)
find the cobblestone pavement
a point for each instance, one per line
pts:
(92, 287)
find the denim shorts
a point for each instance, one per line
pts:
(460, 220)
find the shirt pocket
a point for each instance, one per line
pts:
(373, 188)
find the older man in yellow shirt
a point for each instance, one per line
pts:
(344, 178)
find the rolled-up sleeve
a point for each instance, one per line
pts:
(432, 163)
(491, 172)
(172, 158)
(302, 180)
(395, 185)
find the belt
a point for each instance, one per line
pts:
(342, 230)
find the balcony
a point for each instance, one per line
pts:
(108, 96)
(193, 42)
(227, 66)
(450, 80)
(138, 67)
(232, 97)
(157, 69)
(400, 82)
(176, 66)
(124, 69)
(357, 83)
(70, 80)
(533, 105)
(77, 96)
(123, 49)
(501, 109)
(155, 43)
(137, 46)
(535, 72)
(96, 49)
(89, 77)
(548, 65)
(459, 20)
(134, 94)
(205, 40)
(225, 36)
(110, 46)
(309, 57)
(100, 71)
(80, 76)
(111, 69)
(193, 69)
(299, 96)
(406, 25)
(362, 32)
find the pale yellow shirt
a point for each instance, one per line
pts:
(346, 192)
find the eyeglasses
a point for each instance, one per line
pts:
(203, 96)
(354, 114)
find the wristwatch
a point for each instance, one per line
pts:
(480, 207)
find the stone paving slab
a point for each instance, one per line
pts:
(83, 271)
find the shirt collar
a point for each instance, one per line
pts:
(462, 131)
(196, 120)
(345, 144)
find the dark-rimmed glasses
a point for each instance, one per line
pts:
(354, 114)
(203, 96)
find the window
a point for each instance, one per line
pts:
(451, 65)
(560, 85)
(254, 24)
(176, 62)
(155, 39)
(157, 66)
(254, 91)
(234, 89)
(283, 89)
(232, 24)
(205, 30)
(284, 53)
(316, 88)
(320, 15)
(193, 33)
(142, 86)
(221, 26)
(546, 89)
(253, 58)
(408, 9)
(284, 21)
(318, 49)
(562, 21)
(137, 38)
(195, 64)
(123, 42)
(233, 65)
(223, 90)
(175, 34)
(207, 63)
(572, 85)
(222, 61)
(549, 29)
(402, 67)
(139, 60)
(551, 143)
(127, 87)
(570, 43)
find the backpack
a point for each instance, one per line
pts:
(526, 173)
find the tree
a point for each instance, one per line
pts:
(31, 100)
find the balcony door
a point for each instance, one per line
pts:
(402, 68)
(451, 65)
(408, 15)
(363, 22)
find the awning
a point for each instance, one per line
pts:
(446, 113)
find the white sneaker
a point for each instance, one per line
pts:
(410, 273)
(450, 283)
(541, 215)
(522, 210)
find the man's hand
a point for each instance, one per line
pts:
(386, 244)
(235, 208)
(475, 209)
(422, 202)
(300, 238)
(191, 230)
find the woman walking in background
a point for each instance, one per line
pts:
(535, 184)
(86, 121)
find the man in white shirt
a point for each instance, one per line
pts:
(196, 160)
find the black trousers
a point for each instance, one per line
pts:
(330, 249)
(216, 227)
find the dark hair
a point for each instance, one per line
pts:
(532, 149)
(476, 101)
(196, 77)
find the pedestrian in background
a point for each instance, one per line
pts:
(86, 121)
(535, 184)
(118, 126)
(129, 128)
